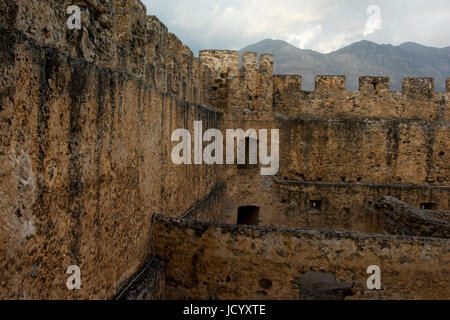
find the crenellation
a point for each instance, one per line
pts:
(249, 61)
(329, 83)
(245, 91)
(266, 64)
(221, 61)
(418, 87)
(293, 82)
(374, 85)
(286, 89)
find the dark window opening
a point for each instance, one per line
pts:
(316, 204)
(428, 206)
(248, 216)
(359, 179)
(343, 179)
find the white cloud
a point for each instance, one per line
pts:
(322, 25)
(305, 38)
(373, 21)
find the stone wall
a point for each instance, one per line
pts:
(343, 206)
(417, 100)
(213, 261)
(243, 93)
(87, 117)
(369, 151)
(389, 215)
(115, 34)
(369, 143)
(85, 146)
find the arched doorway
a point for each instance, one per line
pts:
(248, 215)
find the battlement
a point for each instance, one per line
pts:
(223, 61)
(417, 100)
(249, 60)
(244, 90)
(376, 85)
(412, 86)
(418, 87)
(226, 60)
(330, 83)
(293, 82)
(266, 63)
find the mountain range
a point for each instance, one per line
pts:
(362, 58)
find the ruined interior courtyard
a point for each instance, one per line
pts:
(86, 176)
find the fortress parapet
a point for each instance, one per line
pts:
(241, 92)
(266, 64)
(330, 83)
(222, 61)
(416, 87)
(417, 100)
(374, 85)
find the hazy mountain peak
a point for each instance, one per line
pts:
(361, 58)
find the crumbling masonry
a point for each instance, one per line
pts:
(86, 120)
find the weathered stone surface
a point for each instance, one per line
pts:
(373, 100)
(372, 151)
(214, 261)
(85, 162)
(396, 217)
(344, 206)
(85, 150)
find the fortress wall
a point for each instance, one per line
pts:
(117, 35)
(85, 155)
(212, 261)
(344, 206)
(416, 101)
(85, 162)
(391, 216)
(368, 151)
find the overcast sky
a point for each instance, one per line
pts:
(321, 25)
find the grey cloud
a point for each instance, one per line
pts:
(322, 25)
